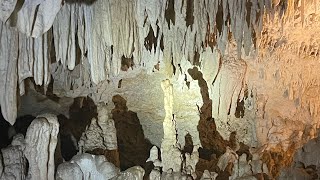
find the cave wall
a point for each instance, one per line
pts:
(256, 61)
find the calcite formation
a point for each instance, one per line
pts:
(170, 152)
(41, 141)
(133, 145)
(91, 167)
(240, 77)
(134, 173)
(209, 175)
(14, 162)
(191, 161)
(87, 167)
(305, 163)
(100, 134)
(95, 42)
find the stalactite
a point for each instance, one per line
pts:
(6, 8)
(9, 55)
(104, 36)
(35, 17)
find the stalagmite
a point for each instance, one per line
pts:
(228, 157)
(207, 175)
(154, 157)
(41, 141)
(191, 162)
(170, 153)
(155, 175)
(87, 167)
(69, 171)
(134, 173)
(14, 161)
(100, 134)
(155, 172)
(108, 128)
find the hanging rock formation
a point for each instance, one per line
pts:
(94, 34)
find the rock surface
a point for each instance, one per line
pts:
(240, 70)
(100, 134)
(170, 153)
(14, 162)
(87, 167)
(133, 146)
(41, 140)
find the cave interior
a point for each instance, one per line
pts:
(159, 89)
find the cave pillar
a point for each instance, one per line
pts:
(170, 153)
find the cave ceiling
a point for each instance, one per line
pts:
(252, 63)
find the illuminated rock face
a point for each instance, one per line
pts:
(170, 152)
(241, 73)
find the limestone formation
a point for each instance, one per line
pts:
(14, 162)
(87, 167)
(228, 157)
(241, 74)
(305, 163)
(207, 175)
(32, 17)
(155, 175)
(134, 173)
(154, 157)
(101, 133)
(69, 171)
(6, 8)
(170, 152)
(191, 162)
(41, 141)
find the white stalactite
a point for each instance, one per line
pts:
(8, 69)
(105, 31)
(36, 17)
(6, 8)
